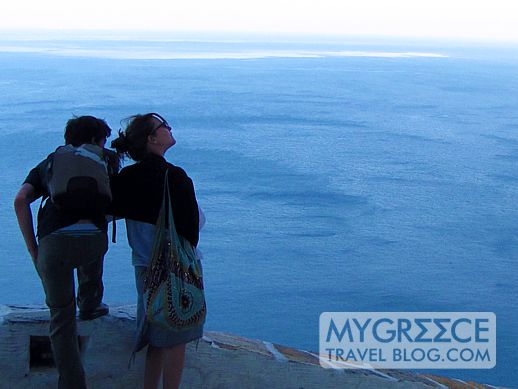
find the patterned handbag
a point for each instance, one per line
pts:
(173, 289)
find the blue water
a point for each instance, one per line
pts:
(333, 183)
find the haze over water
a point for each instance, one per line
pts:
(334, 177)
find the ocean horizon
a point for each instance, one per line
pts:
(334, 176)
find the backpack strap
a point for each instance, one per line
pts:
(43, 198)
(114, 229)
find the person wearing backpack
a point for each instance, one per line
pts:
(71, 231)
(138, 193)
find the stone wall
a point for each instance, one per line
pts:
(218, 361)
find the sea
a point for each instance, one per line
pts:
(336, 175)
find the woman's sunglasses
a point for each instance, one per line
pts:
(163, 123)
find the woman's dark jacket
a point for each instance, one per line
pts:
(138, 191)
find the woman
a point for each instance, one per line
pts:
(137, 196)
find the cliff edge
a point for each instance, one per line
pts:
(218, 361)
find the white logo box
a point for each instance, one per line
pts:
(408, 340)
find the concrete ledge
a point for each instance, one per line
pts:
(220, 360)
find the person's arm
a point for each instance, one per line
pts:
(22, 202)
(202, 218)
(185, 207)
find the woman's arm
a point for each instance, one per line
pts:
(202, 218)
(22, 202)
(185, 207)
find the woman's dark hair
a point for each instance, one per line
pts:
(133, 141)
(86, 129)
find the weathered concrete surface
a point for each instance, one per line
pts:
(220, 361)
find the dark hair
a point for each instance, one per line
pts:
(86, 129)
(133, 141)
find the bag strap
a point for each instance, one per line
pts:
(173, 233)
(168, 207)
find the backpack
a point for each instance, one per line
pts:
(78, 179)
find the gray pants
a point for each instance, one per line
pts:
(58, 256)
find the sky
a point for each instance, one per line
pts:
(460, 19)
